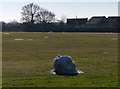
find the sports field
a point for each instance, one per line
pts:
(28, 58)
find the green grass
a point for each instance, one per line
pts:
(26, 63)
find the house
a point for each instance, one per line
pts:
(76, 22)
(97, 22)
(114, 22)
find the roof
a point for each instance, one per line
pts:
(96, 19)
(77, 18)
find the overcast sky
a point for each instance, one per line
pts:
(82, 9)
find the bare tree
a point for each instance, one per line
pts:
(29, 12)
(45, 16)
(35, 14)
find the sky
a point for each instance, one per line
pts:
(82, 9)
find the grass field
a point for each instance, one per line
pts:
(28, 58)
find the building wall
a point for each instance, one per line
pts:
(76, 22)
(113, 22)
(95, 22)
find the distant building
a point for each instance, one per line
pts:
(114, 22)
(97, 22)
(77, 22)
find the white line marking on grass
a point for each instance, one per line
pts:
(18, 39)
(45, 37)
(6, 33)
(114, 39)
(24, 39)
(106, 52)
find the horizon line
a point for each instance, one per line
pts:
(66, 18)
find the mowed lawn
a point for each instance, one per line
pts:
(28, 58)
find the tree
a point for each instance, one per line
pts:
(35, 14)
(29, 12)
(45, 16)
